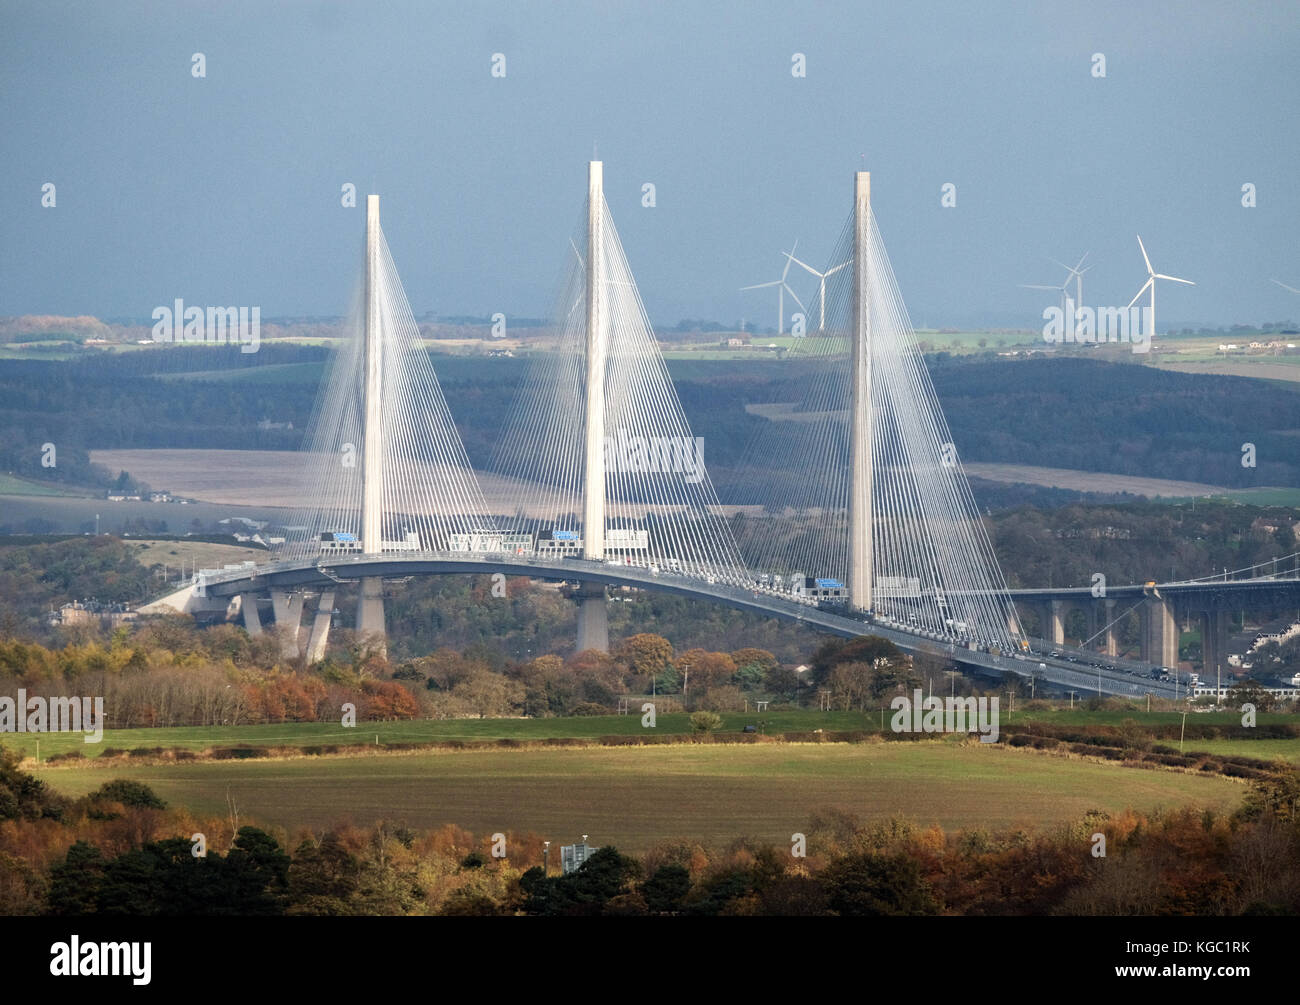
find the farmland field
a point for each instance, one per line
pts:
(591, 727)
(633, 797)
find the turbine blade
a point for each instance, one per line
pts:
(1161, 275)
(796, 297)
(805, 265)
(1284, 286)
(1150, 271)
(1140, 292)
(760, 286)
(788, 258)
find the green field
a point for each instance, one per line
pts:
(1251, 497)
(11, 485)
(298, 734)
(634, 797)
(271, 373)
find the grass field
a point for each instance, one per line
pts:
(299, 734)
(1253, 497)
(635, 796)
(11, 485)
(272, 373)
(206, 555)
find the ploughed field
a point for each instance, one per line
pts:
(635, 796)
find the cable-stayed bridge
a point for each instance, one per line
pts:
(606, 483)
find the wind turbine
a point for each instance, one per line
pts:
(1284, 286)
(782, 288)
(1076, 274)
(1059, 289)
(821, 284)
(1152, 276)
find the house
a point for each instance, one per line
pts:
(91, 611)
(573, 855)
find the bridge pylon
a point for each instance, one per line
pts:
(370, 602)
(593, 614)
(860, 411)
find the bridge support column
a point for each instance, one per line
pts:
(861, 521)
(288, 616)
(320, 628)
(1159, 632)
(1214, 642)
(1055, 625)
(1091, 625)
(1111, 646)
(593, 488)
(248, 608)
(593, 617)
(370, 605)
(370, 611)
(1013, 621)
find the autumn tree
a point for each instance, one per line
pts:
(705, 669)
(645, 655)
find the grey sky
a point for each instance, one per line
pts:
(226, 189)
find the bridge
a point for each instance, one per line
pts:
(287, 583)
(609, 487)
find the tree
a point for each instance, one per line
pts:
(645, 654)
(781, 681)
(851, 683)
(74, 883)
(128, 793)
(489, 694)
(867, 649)
(1250, 691)
(605, 875)
(703, 669)
(23, 796)
(752, 666)
(665, 890)
(871, 884)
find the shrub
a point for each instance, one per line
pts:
(128, 793)
(705, 722)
